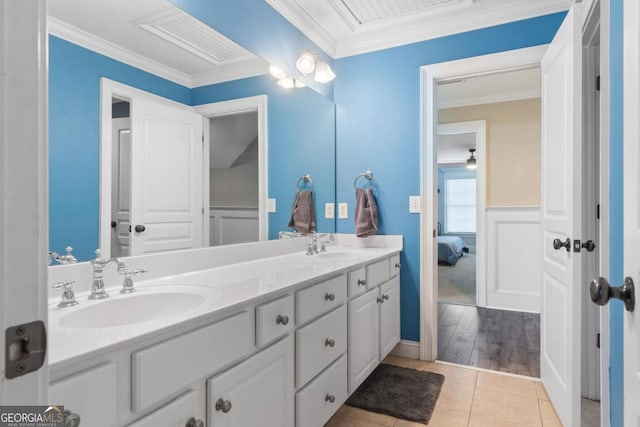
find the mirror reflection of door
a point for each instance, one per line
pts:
(120, 176)
(233, 179)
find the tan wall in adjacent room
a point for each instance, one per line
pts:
(513, 149)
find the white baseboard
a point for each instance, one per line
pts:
(408, 349)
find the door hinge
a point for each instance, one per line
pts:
(434, 233)
(598, 211)
(25, 348)
(598, 340)
(598, 83)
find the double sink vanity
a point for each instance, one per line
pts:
(241, 335)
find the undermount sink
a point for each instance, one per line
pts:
(341, 254)
(130, 309)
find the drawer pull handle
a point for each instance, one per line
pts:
(329, 342)
(330, 398)
(329, 297)
(282, 319)
(223, 405)
(192, 422)
(362, 282)
(385, 297)
(398, 265)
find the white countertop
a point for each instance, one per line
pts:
(222, 288)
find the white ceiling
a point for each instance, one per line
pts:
(350, 27)
(490, 88)
(156, 36)
(455, 148)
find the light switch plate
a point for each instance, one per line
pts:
(271, 205)
(329, 210)
(414, 204)
(343, 211)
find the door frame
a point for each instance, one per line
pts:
(238, 106)
(108, 90)
(479, 128)
(430, 75)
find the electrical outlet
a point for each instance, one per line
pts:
(343, 211)
(329, 210)
(271, 205)
(414, 204)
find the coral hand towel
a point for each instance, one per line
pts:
(366, 214)
(303, 213)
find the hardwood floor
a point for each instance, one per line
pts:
(499, 340)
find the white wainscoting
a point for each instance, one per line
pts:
(514, 258)
(233, 225)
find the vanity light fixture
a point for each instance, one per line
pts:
(277, 72)
(286, 82)
(324, 73)
(306, 63)
(471, 161)
(299, 84)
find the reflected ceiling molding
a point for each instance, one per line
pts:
(89, 41)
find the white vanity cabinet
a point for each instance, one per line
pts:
(374, 321)
(257, 392)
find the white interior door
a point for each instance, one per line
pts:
(166, 177)
(120, 194)
(561, 217)
(631, 209)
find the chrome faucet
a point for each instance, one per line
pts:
(312, 245)
(98, 264)
(62, 259)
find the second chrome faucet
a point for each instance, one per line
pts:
(98, 264)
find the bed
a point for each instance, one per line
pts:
(450, 249)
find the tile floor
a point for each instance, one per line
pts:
(468, 398)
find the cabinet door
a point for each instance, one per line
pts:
(364, 327)
(389, 316)
(257, 392)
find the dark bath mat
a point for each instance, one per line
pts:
(400, 392)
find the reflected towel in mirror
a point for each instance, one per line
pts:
(303, 213)
(366, 213)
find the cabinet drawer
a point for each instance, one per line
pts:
(320, 298)
(164, 369)
(320, 343)
(357, 282)
(274, 319)
(377, 273)
(394, 265)
(90, 394)
(177, 412)
(313, 403)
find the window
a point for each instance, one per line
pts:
(460, 205)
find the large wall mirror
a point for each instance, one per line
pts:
(259, 138)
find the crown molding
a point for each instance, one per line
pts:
(293, 13)
(234, 71)
(489, 99)
(418, 31)
(89, 41)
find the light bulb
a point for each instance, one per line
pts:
(306, 63)
(324, 73)
(277, 72)
(286, 82)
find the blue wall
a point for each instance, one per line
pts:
(377, 98)
(74, 138)
(271, 36)
(301, 141)
(616, 214)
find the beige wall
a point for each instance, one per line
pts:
(513, 149)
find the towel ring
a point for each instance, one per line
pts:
(368, 175)
(305, 179)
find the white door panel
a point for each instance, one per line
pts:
(120, 189)
(166, 177)
(561, 217)
(631, 210)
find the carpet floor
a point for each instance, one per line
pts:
(457, 283)
(399, 392)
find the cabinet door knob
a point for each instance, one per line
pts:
(223, 405)
(385, 297)
(329, 342)
(329, 297)
(398, 265)
(379, 300)
(362, 282)
(192, 422)
(330, 398)
(140, 228)
(282, 319)
(71, 419)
